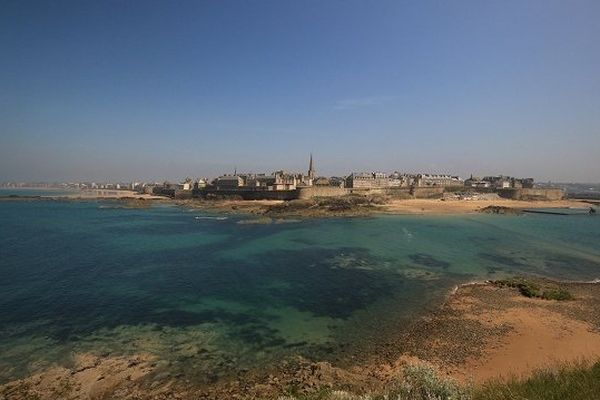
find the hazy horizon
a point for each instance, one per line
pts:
(112, 90)
(228, 170)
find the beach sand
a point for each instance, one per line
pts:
(311, 208)
(541, 338)
(439, 207)
(486, 332)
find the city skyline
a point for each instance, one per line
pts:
(111, 91)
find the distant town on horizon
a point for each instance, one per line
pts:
(288, 185)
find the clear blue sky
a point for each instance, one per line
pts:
(166, 89)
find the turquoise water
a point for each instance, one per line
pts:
(205, 293)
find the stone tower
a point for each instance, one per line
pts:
(311, 170)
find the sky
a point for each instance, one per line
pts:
(153, 90)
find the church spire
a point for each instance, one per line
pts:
(311, 170)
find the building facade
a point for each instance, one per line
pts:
(425, 180)
(277, 181)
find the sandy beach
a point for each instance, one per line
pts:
(527, 333)
(438, 206)
(328, 207)
(112, 194)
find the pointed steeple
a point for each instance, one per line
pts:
(311, 170)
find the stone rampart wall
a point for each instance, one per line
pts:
(247, 194)
(532, 194)
(321, 191)
(394, 192)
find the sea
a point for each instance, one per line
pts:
(210, 295)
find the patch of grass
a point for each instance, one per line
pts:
(420, 382)
(533, 290)
(557, 294)
(294, 394)
(574, 382)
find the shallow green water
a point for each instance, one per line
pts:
(207, 294)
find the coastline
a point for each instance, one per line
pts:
(317, 209)
(482, 332)
(509, 335)
(478, 333)
(102, 194)
(321, 207)
(450, 207)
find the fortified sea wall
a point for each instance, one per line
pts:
(247, 194)
(428, 192)
(393, 192)
(532, 194)
(320, 191)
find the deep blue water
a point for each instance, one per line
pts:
(205, 292)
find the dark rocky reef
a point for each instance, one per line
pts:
(501, 210)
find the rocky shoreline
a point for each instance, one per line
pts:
(268, 211)
(478, 324)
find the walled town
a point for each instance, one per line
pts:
(283, 185)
